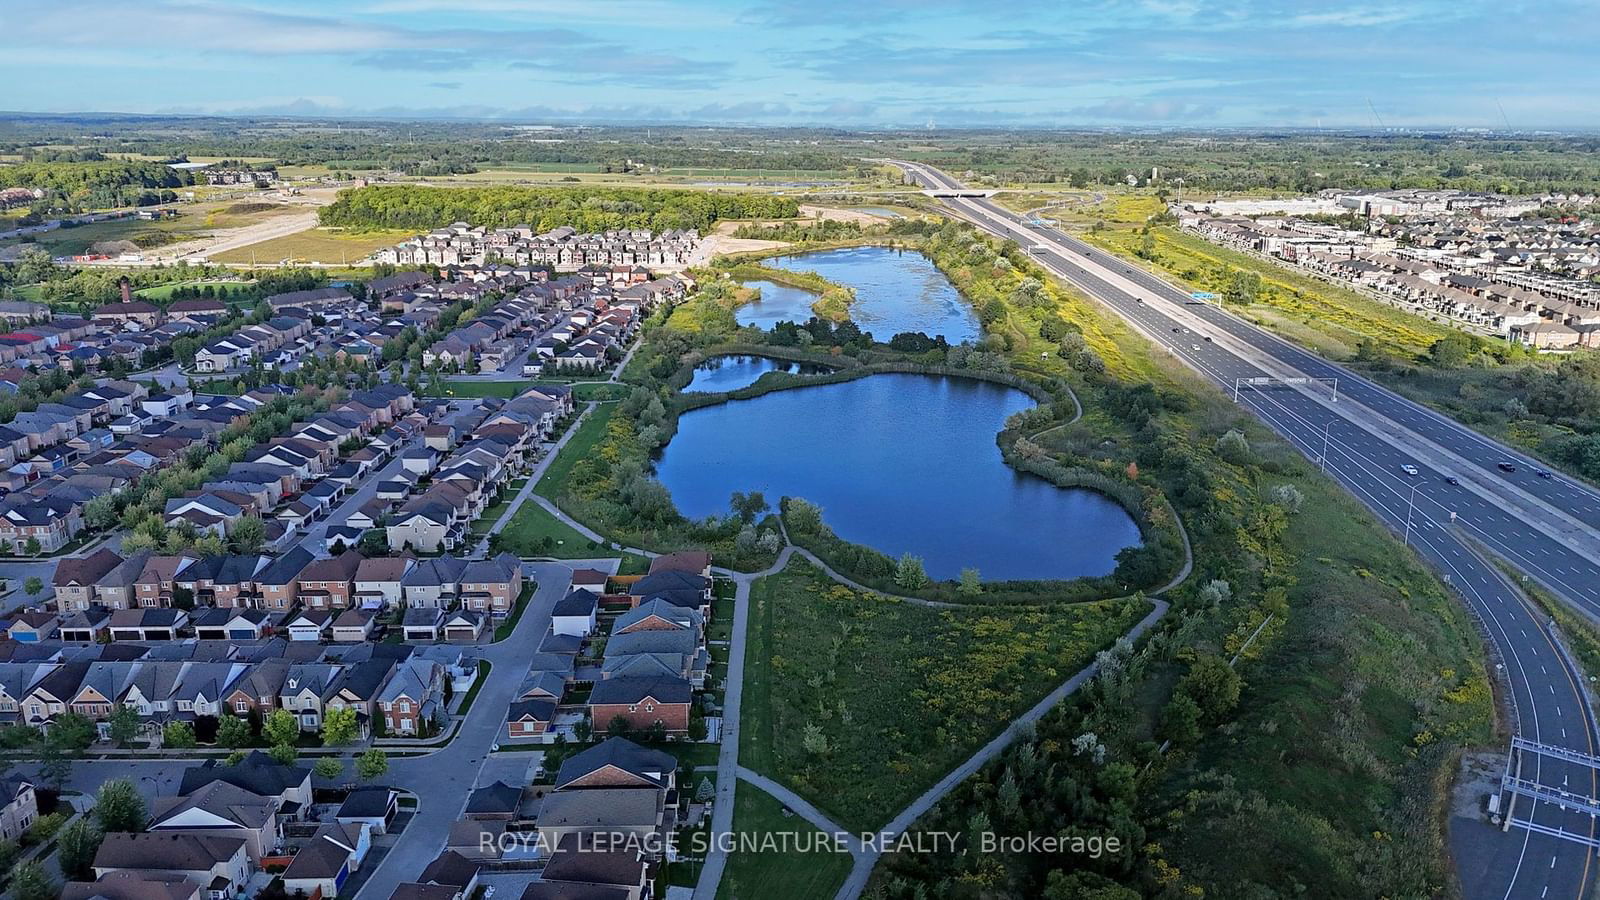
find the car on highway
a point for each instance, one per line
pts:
(1176, 330)
(1195, 347)
(1505, 467)
(1543, 473)
(1451, 479)
(1138, 299)
(1411, 470)
(1208, 339)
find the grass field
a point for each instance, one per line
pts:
(899, 693)
(193, 220)
(526, 534)
(582, 444)
(322, 245)
(764, 870)
(164, 291)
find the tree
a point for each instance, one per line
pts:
(618, 726)
(123, 724)
(328, 768)
(178, 736)
(32, 547)
(813, 740)
(909, 574)
(1451, 351)
(705, 791)
(119, 807)
(804, 516)
(1180, 720)
(281, 728)
(372, 764)
(339, 726)
(71, 733)
(283, 754)
(33, 585)
(971, 583)
(1243, 287)
(1234, 447)
(100, 513)
(77, 844)
(249, 534)
(1213, 685)
(30, 881)
(232, 732)
(748, 507)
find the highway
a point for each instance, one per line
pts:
(1546, 527)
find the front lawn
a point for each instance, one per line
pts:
(860, 703)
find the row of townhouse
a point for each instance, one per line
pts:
(562, 249)
(396, 689)
(1526, 278)
(468, 467)
(291, 479)
(91, 592)
(250, 343)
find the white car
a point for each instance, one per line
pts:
(1410, 470)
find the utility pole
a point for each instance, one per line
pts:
(1410, 506)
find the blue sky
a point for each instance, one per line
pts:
(851, 63)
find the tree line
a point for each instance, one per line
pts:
(586, 209)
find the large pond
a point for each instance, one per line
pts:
(896, 291)
(901, 463)
(733, 371)
(778, 303)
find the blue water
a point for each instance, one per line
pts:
(901, 463)
(877, 211)
(896, 291)
(778, 303)
(734, 371)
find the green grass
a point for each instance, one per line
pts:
(525, 535)
(322, 245)
(902, 692)
(590, 432)
(504, 629)
(472, 693)
(765, 871)
(164, 291)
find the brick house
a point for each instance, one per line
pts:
(641, 702)
(74, 579)
(330, 583)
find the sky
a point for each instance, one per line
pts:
(847, 63)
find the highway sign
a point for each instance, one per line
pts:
(1203, 295)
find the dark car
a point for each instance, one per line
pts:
(1543, 474)
(1208, 339)
(1451, 479)
(1176, 330)
(1505, 467)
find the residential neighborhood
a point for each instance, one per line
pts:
(1486, 263)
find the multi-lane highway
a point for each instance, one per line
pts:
(1365, 439)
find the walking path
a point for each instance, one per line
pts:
(728, 751)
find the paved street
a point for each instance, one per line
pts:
(441, 779)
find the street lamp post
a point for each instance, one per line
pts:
(1411, 505)
(1323, 462)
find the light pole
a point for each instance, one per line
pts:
(1410, 506)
